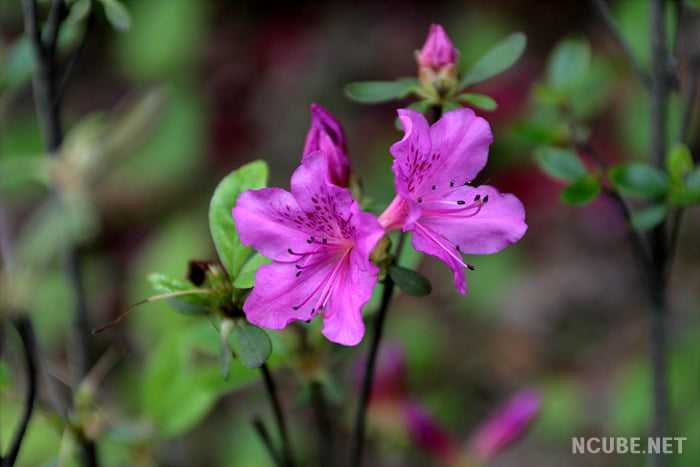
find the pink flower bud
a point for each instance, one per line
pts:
(428, 434)
(326, 135)
(506, 425)
(438, 51)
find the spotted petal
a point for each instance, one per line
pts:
(450, 153)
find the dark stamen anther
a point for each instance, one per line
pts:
(309, 241)
(458, 248)
(434, 187)
(297, 266)
(486, 198)
(290, 251)
(298, 274)
(325, 240)
(461, 201)
(420, 200)
(295, 308)
(470, 267)
(452, 183)
(477, 197)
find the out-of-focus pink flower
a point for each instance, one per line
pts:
(429, 434)
(506, 425)
(320, 243)
(394, 410)
(326, 135)
(434, 166)
(437, 51)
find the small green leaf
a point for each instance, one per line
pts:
(568, 64)
(231, 251)
(253, 345)
(649, 216)
(679, 162)
(582, 191)
(190, 304)
(409, 281)
(560, 163)
(478, 100)
(693, 180)
(18, 65)
(450, 105)
(380, 91)
(639, 179)
(246, 278)
(117, 14)
(497, 59)
(79, 10)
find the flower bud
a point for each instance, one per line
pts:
(326, 135)
(505, 426)
(437, 60)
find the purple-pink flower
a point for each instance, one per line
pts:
(506, 425)
(326, 135)
(433, 166)
(437, 51)
(320, 243)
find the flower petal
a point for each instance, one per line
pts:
(280, 297)
(431, 160)
(271, 221)
(427, 241)
(343, 316)
(494, 225)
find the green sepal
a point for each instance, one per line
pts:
(478, 100)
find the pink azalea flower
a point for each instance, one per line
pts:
(320, 243)
(437, 51)
(507, 425)
(434, 166)
(326, 135)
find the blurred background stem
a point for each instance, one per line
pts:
(49, 90)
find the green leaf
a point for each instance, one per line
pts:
(478, 100)
(18, 64)
(409, 281)
(231, 251)
(450, 105)
(252, 345)
(79, 10)
(497, 59)
(693, 180)
(639, 179)
(568, 64)
(649, 216)
(246, 278)
(190, 304)
(560, 163)
(582, 191)
(380, 91)
(679, 162)
(117, 14)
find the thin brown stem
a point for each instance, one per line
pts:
(264, 435)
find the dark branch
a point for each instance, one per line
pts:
(26, 333)
(610, 22)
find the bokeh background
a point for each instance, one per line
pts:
(197, 88)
